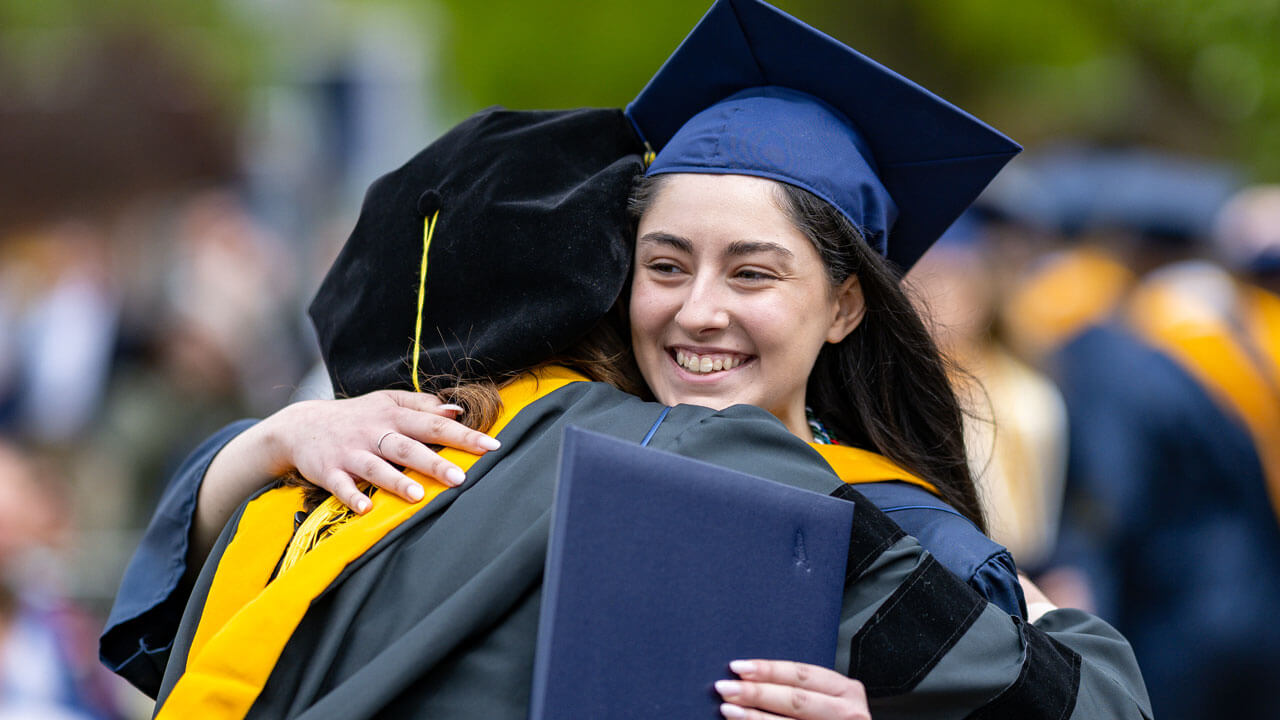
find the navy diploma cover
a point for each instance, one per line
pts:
(662, 569)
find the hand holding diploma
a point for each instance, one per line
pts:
(780, 689)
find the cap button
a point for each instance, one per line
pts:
(428, 203)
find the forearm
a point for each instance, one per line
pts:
(1111, 684)
(933, 646)
(332, 443)
(241, 468)
(149, 603)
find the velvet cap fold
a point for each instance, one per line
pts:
(531, 248)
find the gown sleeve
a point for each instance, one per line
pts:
(148, 607)
(920, 636)
(925, 644)
(1111, 684)
(985, 565)
(996, 579)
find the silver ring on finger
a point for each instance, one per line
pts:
(384, 437)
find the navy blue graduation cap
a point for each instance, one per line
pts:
(754, 91)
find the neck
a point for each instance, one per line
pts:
(796, 421)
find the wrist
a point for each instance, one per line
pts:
(248, 461)
(266, 445)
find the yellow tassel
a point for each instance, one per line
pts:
(319, 525)
(428, 229)
(325, 519)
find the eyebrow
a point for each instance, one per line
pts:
(738, 248)
(662, 238)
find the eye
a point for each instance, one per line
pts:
(663, 267)
(754, 275)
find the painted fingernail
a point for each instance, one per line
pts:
(728, 688)
(488, 443)
(742, 667)
(450, 408)
(732, 711)
(363, 505)
(455, 476)
(415, 492)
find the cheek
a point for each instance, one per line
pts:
(646, 313)
(778, 319)
(789, 332)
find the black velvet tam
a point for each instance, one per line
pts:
(531, 248)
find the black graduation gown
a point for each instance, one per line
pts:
(439, 618)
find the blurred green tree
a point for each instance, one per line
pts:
(1196, 76)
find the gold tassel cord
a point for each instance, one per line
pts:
(332, 513)
(319, 525)
(428, 229)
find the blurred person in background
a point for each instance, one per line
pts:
(47, 664)
(1101, 218)
(58, 318)
(1247, 238)
(1168, 526)
(105, 128)
(206, 336)
(1015, 420)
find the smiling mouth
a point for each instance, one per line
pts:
(710, 362)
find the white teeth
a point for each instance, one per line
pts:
(706, 363)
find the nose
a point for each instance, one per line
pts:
(705, 309)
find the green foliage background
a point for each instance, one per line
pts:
(1198, 76)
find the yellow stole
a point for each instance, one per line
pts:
(248, 617)
(1244, 379)
(1262, 318)
(1072, 290)
(854, 466)
(246, 620)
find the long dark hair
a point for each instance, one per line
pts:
(885, 387)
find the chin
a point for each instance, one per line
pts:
(708, 401)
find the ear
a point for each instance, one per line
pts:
(850, 307)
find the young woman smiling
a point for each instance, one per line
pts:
(730, 302)
(782, 305)
(746, 290)
(791, 181)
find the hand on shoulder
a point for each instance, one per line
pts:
(334, 444)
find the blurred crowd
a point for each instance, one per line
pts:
(117, 354)
(1113, 315)
(1114, 319)
(156, 259)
